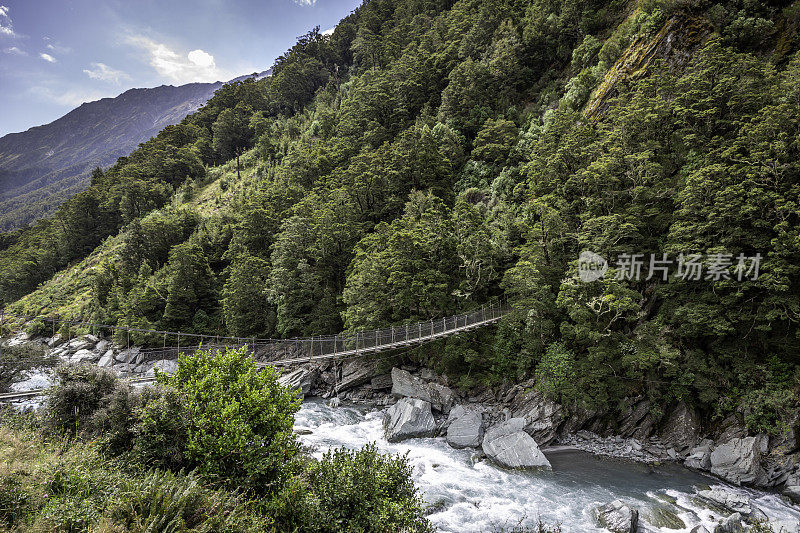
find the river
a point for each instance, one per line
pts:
(473, 495)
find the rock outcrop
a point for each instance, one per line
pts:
(739, 460)
(508, 445)
(302, 380)
(410, 417)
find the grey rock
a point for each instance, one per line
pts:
(682, 427)
(107, 360)
(699, 457)
(76, 345)
(102, 346)
(699, 529)
(793, 493)
(409, 417)
(508, 445)
(427, 374)
(739, 460)
(732, 524)
(167, 366)
(55, 341)
(302, 379)
(84, 355)
(464, 428)
(727, 500)
(408, 386)
(356, 373)
(542, 416)
(131, 355)
(91, 339)
(381, 382)
(617, 517)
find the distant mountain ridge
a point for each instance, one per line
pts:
(45, 165)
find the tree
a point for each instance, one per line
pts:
(233, 133)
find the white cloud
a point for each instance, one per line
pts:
(71, 98)
(101, 71)
(329, 31)
(6, 26)
(47, 57)
(58, 49)
(197, 65)
(307, 3)
(15, 51)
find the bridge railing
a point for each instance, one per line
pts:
(396, 336)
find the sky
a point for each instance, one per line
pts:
(57, 54)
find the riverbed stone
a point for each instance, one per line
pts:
(302, 380)
(408, 418)
(739, 460)
(617, 517)
(793, 493)
(731, 524)
(464, 428)
(508, 445)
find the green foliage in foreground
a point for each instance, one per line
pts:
(106, 457)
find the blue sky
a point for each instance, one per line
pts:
(57, 54)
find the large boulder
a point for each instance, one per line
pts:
(107, 359)
(406, 385)
(542, 416)
(464, 428)
(739, 460)
(732, 502)
(617, 517)
(408, 418)
(508, 445)
(302, 380)
(84, 355)
(682, 427)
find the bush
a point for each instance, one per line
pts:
(79, 392)
(556, 373)
(354, 491)
(159, 435)
(239, 420)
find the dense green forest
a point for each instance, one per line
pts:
(430, 155)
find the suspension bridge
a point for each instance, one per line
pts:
(285, 353)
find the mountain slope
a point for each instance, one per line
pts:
(45, 165)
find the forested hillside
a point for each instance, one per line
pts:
(430, 155)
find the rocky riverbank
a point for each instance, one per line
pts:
(509, 426)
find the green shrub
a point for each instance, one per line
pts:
(79, 391)
(239, 419)
(114, 418)
(355, 491)
(160, 431)
(556, 373)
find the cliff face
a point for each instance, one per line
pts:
(675, 43)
